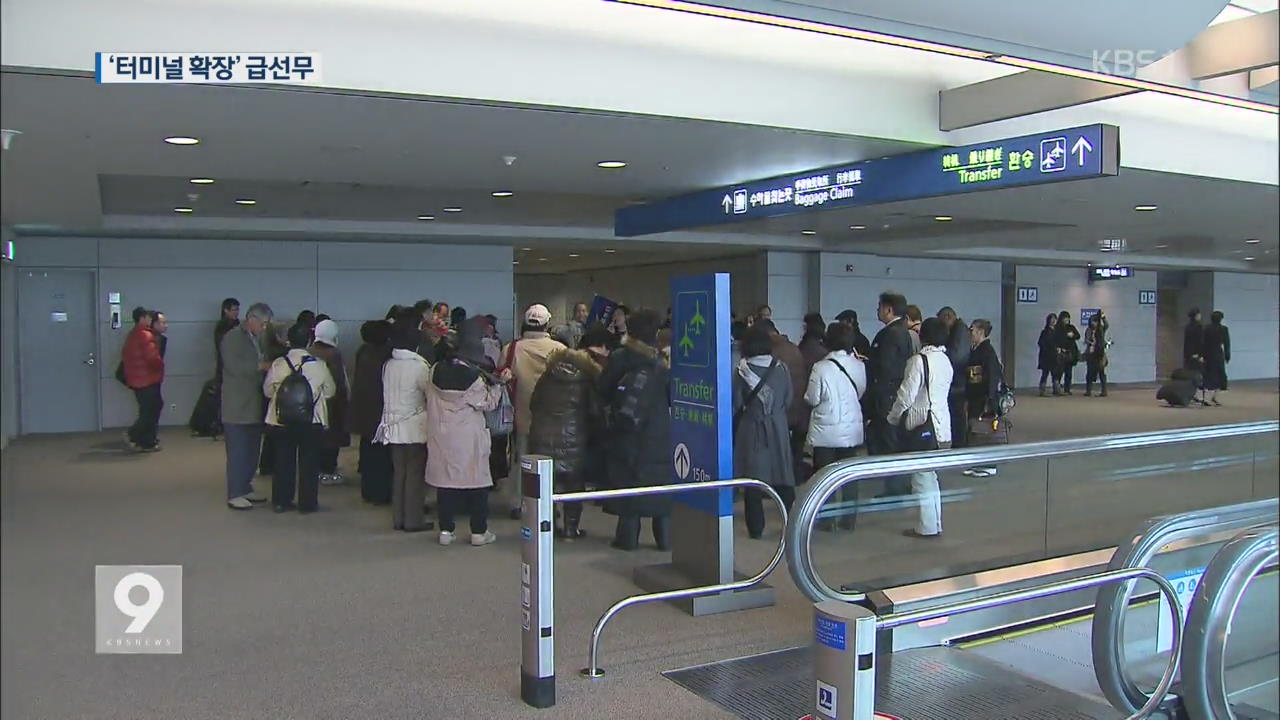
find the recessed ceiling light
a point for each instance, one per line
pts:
(246, 201)
(1145, 208)
(1252, 241)
(611, 164)
(857, 227)
(1250, 258)
(542, 259)
(426, 217)
(201, 181)
(452, 209)
(527, 249)
(942, 218)
(502, 193)
(610, 251)
(572, 255)
(182, 140)
(1161, 246)
(808, 232)
(515, 262)
(183, 210)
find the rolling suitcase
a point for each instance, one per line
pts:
(205, 416)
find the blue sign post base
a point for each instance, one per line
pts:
(702, 554)
(701, 383)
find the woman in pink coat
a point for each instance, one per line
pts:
(461, 390)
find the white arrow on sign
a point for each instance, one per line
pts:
(1081, 147)
(682, 462)
(727, 203)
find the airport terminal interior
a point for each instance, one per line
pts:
(843, 359)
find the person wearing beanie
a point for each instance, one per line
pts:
(633, 390)
(461, 390)
(324, 345)
(526, 358)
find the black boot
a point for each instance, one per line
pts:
(572, 516)
(662, 531)
(627, 534)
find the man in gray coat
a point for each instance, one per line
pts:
(243, 366)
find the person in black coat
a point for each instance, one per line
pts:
(1048, 356)
(861, 345)
(365, 412)
(1095, 353)
(1193, 342)
(958, 348)
(565, 409)
(1217, 353)
(886, 365)
(985, 374)
(634, 391)
(1068, 349)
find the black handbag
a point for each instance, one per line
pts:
(923, 437)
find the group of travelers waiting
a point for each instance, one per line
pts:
(430, 386)
(1060, 352)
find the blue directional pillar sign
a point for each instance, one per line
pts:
(701, 398)
(1078, 153)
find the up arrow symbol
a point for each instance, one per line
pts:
(727, 203)
(1081, 147)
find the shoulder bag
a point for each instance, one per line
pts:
(922, 437)
(755, 391)
(847, 375)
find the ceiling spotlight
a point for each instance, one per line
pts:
(1145, 208)
(527, 249)
(1252, 241)
(452, 209)
(942, 218)
(183, 210)
(573, 255)
(808, 232)
(1104, 249)
(182, 140)
(1250, 258)
(246, 201)
(1161, 246)
(611, 164)
(515, 262)
(610, 250)
(502, 193)
(426, 217)
(857, 227)
(542, 259)
(201, 181)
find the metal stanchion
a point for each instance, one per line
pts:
(537, 606)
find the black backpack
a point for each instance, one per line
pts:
(628, 409)
(295, 402)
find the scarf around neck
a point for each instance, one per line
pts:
(747, 371)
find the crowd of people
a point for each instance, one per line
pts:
(1206, 350)
(439, 403)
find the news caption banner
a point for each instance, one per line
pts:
(275, 68)
(1078, 153)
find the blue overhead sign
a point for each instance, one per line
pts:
(1073, 154)
(701, 395)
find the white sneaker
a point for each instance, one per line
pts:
(446, 538)
(485, 539)
(255, 497)
(240, 503)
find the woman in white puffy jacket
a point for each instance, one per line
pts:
(836, 384)
(918, 402)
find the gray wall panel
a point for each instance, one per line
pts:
(206, 254)
(56, 252)
(186, 295)
(410, 256)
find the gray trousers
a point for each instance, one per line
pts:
(242, 442)
(408, 486)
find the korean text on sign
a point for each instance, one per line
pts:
(238, 67)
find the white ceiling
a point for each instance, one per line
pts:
(91, 159)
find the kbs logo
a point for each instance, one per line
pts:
(1125, 63)
(138, 609)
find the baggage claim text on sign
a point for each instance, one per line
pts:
(1077, 153)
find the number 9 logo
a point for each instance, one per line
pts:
(144, 613)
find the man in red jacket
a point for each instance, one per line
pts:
(143, 373)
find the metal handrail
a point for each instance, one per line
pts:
(1204, 656)
(593, 668)
(831, 478)
(1113, 601)
(1056, 588)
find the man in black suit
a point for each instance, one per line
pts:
(885, 367)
